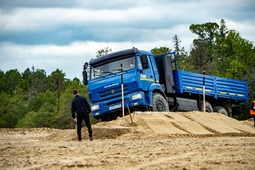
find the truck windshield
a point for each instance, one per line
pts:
(102, 70)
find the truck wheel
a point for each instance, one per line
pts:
(220, 109)
(159, 103)
(208, 107)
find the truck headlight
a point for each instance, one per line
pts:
(95, 107)
(136, 96)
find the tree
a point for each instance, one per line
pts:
(237, 58)
(36, 103)
(44, 117)
(59, 84)
(41, 111)
(15, 111)
(204, 46)
(27, 80)
(103, 52)
(220, 39)
(39, 83)
(176, 42)
(63, 118)
(160, 50)
(35, 100)
(205, 31)
(4, 100)
(198, 54)
(181, 54)
(3, 82)
(28, 121)
(13, 79)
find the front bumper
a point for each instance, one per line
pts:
(114, 105)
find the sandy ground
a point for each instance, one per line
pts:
(191, 140)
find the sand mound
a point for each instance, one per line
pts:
(194, 123)
(162, 125)
(249, 122)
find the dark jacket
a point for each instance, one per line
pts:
(80, 105)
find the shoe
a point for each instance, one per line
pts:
(91, 138)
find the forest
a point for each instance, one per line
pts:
(32, 99)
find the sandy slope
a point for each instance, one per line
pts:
(191, 140)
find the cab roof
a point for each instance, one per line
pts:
(113, 55)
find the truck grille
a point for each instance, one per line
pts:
(114, 102)
(112, 93)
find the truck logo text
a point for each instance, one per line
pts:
(115, 84)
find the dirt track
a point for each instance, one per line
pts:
(192, 140)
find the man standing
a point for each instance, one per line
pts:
(81, 107)
(252, 110)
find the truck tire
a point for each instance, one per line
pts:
(159, 103)
(208, 107)
(220, 109)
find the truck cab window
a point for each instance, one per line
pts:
(145, 63)
(104, 69)
(139, 62)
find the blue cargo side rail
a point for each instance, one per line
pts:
(214, 86)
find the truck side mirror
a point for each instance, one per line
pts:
(145, 63)
(84, 74)
(85, 66)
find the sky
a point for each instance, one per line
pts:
(64, 34)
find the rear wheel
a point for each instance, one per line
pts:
(208, 107)
(159, 103)
(220, 109)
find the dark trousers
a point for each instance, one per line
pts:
(85, 117)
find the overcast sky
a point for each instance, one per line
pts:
(63, 34)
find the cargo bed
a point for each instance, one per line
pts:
(187, 82)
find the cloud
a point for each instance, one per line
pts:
(41, 19)
(47, 22)
(89, 4)
(48, 57)
(245, 28)
(68, 58)
(64, 34)
(63, 26)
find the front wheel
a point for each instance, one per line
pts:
(159, 103)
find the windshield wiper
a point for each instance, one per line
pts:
(107, 72)
(115, 71)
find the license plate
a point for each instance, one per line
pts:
(115, 107)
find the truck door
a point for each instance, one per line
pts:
(154, 69)
(165, 69)
(147, 75)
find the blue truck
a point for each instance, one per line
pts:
(154, 83)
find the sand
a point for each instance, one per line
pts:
(191, 140)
